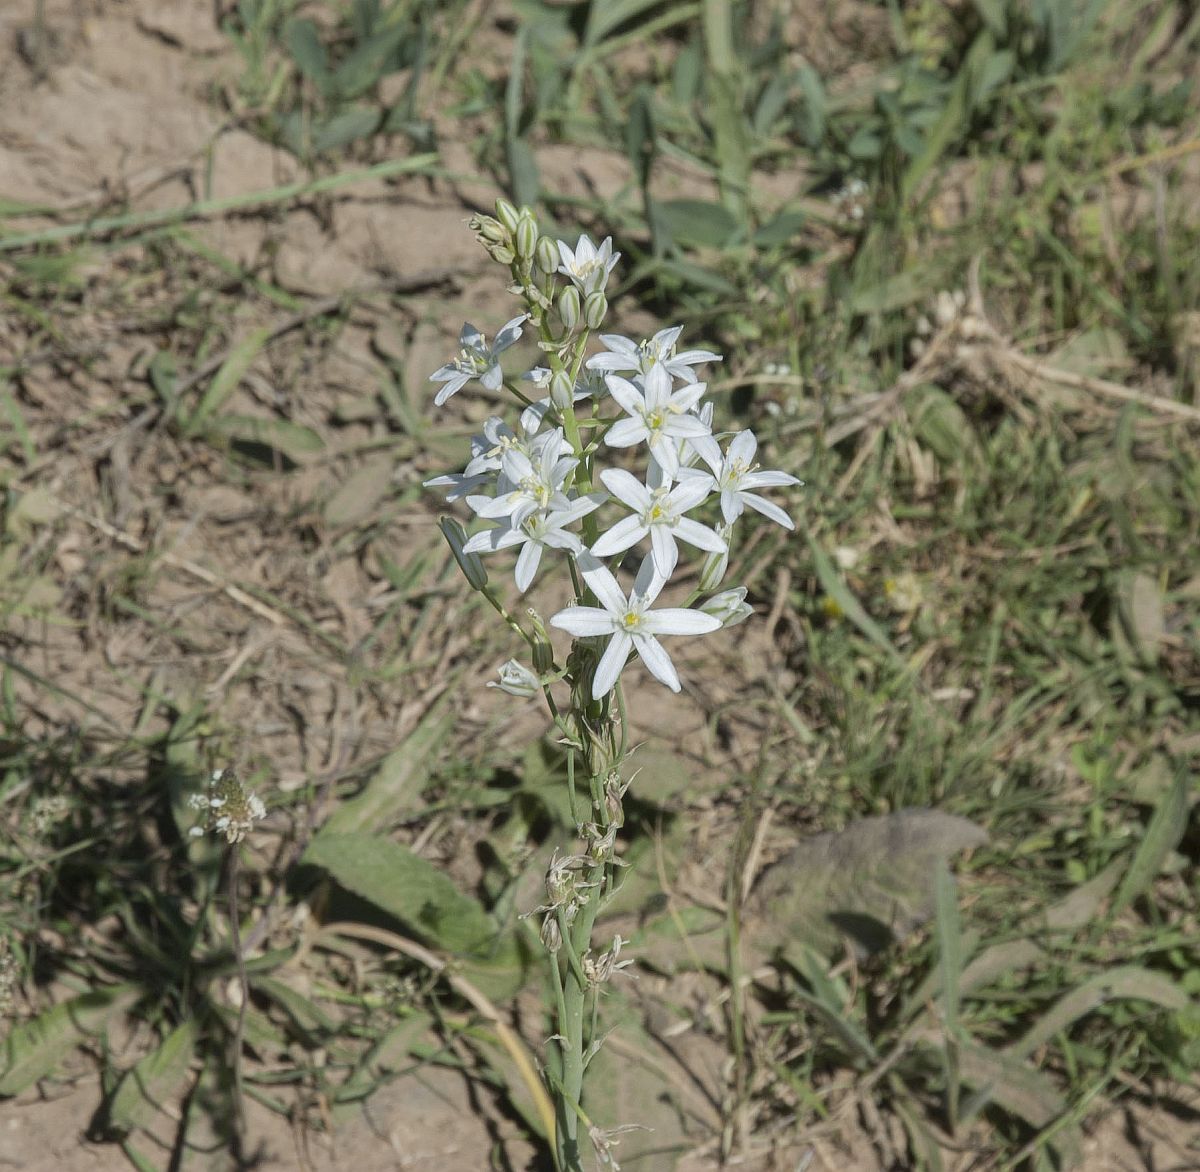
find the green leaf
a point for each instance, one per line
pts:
(364, 66)
(304, 43)
(155, 1080)
(345, 128)
(828, 1000)
(1161, 838)
(226, 380)
(292, 439)
(397, 783)
(698, 223)
(604, 17)
(1128, 983)
(360, 493)
(995, 15)
(409, 888)
(779, 230)
(950, 943)
(35, 1048)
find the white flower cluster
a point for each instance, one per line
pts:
(539, 487)
(227, 808)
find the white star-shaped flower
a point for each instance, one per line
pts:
(586, 265)
(630, 623)
(624, 354)
(476, 359)
(659, 416)
(536, 533)
(528, 482)
(659, 513)
(737, 476)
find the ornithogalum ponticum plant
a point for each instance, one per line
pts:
(612, 455)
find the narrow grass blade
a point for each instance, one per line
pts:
(1161, 838)
(832, 584)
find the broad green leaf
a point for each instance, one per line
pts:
(226, 380)
(1162, 836)
(1081, 906)
(905, 288)
(1128, 983)
(870, 883)
(836, 589)
(1013, 1084)
(1141, 613)
(698, 222)
(407, 887)
(780, 229)
(291, 439)
(344, 128)
(397, 783)
(36, 1047)
(604, 17)
(363, 67)
(360, 493)
(156, 1080)
(942, 425)
(304, 43)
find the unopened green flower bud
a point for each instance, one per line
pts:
(517, 680)
(489, 229)
(712, 573)
(730, 606)
(546, 256)
(551, 933)
(469, 563)
(525, 238)
(507, 214)
(595, 309)
(568, 306)
(502, 254)
(543, 652)
(562, 390)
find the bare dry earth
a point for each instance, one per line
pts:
(123, 116)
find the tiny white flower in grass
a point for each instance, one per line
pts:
(517, 680)
(228, 809)
(586, 265)
(630, 623)
(737, 476)
(476, 359)
(624, 354)
(537, 532)
(657, 416)
(658, 513)
(528, 483)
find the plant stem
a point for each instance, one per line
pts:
(239, 1029)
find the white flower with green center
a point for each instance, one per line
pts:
(476, 359)
(586, 265)
(624, 354)
(630, 623)
(528, 483)
(539, 531)
(737, 476)
(658, 416)
(658, 513)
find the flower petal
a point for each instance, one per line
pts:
(768, 509)
(699, 535)
(628, 397)
(627, 488)
(742, 447)
(657, 661)
(602, 584)
(527, 565)
(679, 620)
(625, 533)
(663, 549)
(625, 433)
(583, 621)
(608, 670)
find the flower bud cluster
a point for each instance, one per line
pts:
(546, 485)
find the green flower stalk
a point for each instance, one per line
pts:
(549, 487)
